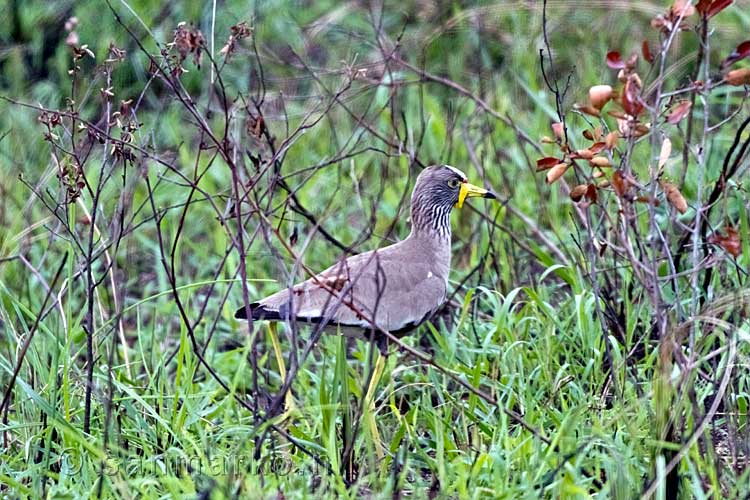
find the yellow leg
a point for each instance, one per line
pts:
(289, 399)
(370, 404)
(376, 374)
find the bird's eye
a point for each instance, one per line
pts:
(453, 183)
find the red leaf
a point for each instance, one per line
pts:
(646, 51)
(619, 184)
(742, 51)
(729, 242)
(591, 193)
(709, 8)
(679, 112)
(597, 147)
(614, 60)
(718, 6)
(631, 97)
(649, 200)
(547, 162)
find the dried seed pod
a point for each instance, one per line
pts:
(599, 95)
(556, 172)
(586, 154)
(674, 196)
(611, 139)
(578, 192)
(739, 77)
(600, 161)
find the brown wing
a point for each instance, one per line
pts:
(379, 285)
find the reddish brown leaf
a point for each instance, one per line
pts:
(674, 196)
(646, 51)
(742, 51)
(709, 8)
(578, 192)
(679, 112)
(729, 241)
(588, 135)
(546, 163)
(597, 147)
(703, 5)
(255, 126)
(649, 200)
(620, 184)
(584, 190)
(631, 96)
(614, 60)
(592, 194)
(556, 172)
(738, 77)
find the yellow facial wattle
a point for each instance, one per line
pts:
(471, 191)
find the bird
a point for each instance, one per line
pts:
(395, 288)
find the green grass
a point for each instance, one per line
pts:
(524, 329)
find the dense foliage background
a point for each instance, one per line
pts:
(140, 184)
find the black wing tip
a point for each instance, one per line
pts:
(260, 312)
(241, 313)
(256, 311)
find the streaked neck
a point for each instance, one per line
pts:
(431, 220)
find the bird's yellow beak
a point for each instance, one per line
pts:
(471, 191)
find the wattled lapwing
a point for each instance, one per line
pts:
(395, 287)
